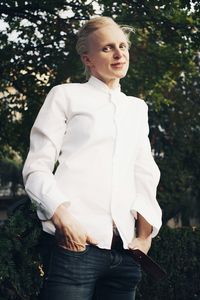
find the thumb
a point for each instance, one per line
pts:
(133, 244)
(91, 240)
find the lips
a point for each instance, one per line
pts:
(118, 64)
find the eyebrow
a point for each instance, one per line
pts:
(113, 44)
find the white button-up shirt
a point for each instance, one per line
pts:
(106, 173)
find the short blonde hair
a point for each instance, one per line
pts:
(93, 25)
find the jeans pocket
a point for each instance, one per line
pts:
(72, 252)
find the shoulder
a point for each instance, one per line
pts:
(67, 87)
(137, 102)
(64, 93)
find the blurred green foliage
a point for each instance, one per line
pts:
(177, 251)
(20, 275)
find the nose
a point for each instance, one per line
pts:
(117, 53)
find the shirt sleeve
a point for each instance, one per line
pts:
(147, 176)
(46, 138)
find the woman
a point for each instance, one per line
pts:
(106, 178)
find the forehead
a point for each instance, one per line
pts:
(107, 34)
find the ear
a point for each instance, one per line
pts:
(86, 60)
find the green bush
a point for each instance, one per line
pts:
(176, 250)
(20, 263)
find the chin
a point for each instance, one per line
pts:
(121, 75)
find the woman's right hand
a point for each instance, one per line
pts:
(69, 232)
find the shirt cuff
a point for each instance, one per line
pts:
(46, 215)
(151, 212)
(48, 203)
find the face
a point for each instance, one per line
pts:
(108, 54)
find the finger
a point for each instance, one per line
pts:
(72, 245)
(132, 247)
(74, 249)
(75, 244)
(91, 240)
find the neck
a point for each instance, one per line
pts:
(111, 83)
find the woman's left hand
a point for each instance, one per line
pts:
(140, 243)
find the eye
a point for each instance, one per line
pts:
(107, 48)
(123, 46)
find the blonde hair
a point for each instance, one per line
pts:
(93, 25)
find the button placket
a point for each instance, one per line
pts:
(114, 162)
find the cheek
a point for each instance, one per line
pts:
(102, 62)
(127, 56)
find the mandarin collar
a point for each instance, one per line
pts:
(99, 84)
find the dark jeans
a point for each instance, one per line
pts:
(92, 274)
